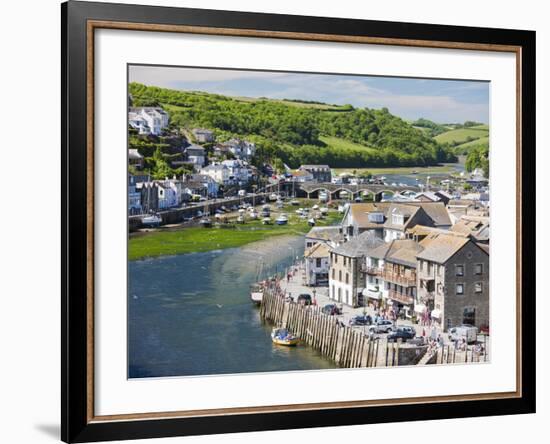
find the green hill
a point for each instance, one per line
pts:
(463, 135)
(297, 132)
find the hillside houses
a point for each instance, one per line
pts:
(203, 135)
(148, 120)
(320, 173)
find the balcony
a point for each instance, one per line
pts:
(375, 271)
(400, 297)
(399, 278)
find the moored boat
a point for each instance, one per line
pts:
(206, 222)
(282, 219)
(256, 293)
(153, 220)
(266, 221)
(311, 222)
(281, 336)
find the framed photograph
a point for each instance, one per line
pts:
(276, 221)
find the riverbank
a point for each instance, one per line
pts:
(162, 242)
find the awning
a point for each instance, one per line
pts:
(371, 294)
(420, 308)
(436, 313)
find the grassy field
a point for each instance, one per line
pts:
(461, 135)
(198, 239)
(398, 170)
(342, 144)
(484, 141)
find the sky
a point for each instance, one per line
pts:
(443, 101)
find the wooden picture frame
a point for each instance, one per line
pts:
(79, 22)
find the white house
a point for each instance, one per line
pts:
(217, 171)
(239, 172)
(241, 149)
(148, 120)
(317, 265)
(167, 195)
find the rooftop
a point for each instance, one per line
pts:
(441, 247)
(359, 246)
(318, 251)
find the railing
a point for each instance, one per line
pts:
(371, 270)
(400, 297)
(398, 278)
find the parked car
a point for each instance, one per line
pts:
(304, 299)
(360, 320)
(465, 331)
(382, 326)
(403, 333)
(331, 309)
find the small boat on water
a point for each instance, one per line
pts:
(206, 222)
(256, 293)
(153, 220)
(281, 336)
(282, 219)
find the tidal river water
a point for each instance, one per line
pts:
(191, 314)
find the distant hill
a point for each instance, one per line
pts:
(297, 132)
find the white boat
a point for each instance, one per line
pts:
(311, 222)
(282, 219)
(253, 215)
(256, 293)
(206, 222)
(324, 210)
(294, 202)
(273, 196)
(315, 207)
(240, 219)
(266, 221)
(279, 204)
(153, 220)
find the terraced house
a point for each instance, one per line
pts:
(453, 280)
(346, 278)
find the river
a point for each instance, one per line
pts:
(191, 314)
(421, 177)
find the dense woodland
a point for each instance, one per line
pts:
(292, 131)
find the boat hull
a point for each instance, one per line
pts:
(286, 342)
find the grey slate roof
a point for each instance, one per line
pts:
(359, 246)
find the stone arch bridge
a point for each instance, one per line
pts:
(348, 191)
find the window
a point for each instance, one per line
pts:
(340, 275)
(333, 274)
(478, 287)
(429, 268)
(459, 288)
(333, 292)
(421, 265)
(469, 316)
(347, 278)
(318, 262)
(335, 258)
(479, 268)
(459, 270)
